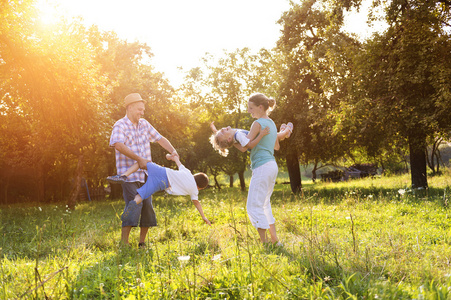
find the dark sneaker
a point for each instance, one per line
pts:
(142, 245)
(117, 179)
(130, 211)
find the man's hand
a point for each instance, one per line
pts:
(174, 153)
(142, 162)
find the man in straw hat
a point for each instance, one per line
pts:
(131, 139)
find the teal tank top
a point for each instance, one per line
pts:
(264, 151)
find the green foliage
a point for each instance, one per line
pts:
(368, 238)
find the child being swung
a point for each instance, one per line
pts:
(227, 137)
(175, 182)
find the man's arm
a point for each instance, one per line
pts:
(167, 145)
(130, 154)
(201, 212)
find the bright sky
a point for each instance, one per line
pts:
(180, 32)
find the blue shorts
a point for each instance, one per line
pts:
(157, 180)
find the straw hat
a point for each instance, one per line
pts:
(131, 98)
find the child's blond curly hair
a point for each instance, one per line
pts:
(220, 145)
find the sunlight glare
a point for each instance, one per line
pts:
(48, 12)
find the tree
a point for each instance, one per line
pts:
(405, 79)
(52, 87)
(310, 37)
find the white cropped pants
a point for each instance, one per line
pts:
(260, 191)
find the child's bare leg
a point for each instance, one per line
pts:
(285, 131)
(131, 170)
(123, 177)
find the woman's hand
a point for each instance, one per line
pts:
(264, 131)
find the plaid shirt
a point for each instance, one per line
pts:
(138, 139)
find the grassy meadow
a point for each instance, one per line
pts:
(362, 239)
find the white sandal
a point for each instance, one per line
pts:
(290, 127)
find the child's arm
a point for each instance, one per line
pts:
(131, 170)
(213, 127)
(174, 158)
(201, 212)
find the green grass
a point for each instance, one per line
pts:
(356, 240)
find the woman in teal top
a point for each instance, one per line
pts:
(264, 168)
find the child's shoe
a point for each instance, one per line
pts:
(290, 127)
(129, 213)
(282, 127)
(117, 179)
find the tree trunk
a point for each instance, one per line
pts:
(217, 183)
(231, 180)
(417, 148)
(242, 182)
(315, 166)
(294, 171)
(77, 184)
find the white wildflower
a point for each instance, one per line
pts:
(217, 257)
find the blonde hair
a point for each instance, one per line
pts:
(220, 145)
(260, 99)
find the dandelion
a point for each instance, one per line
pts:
(183, 258)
